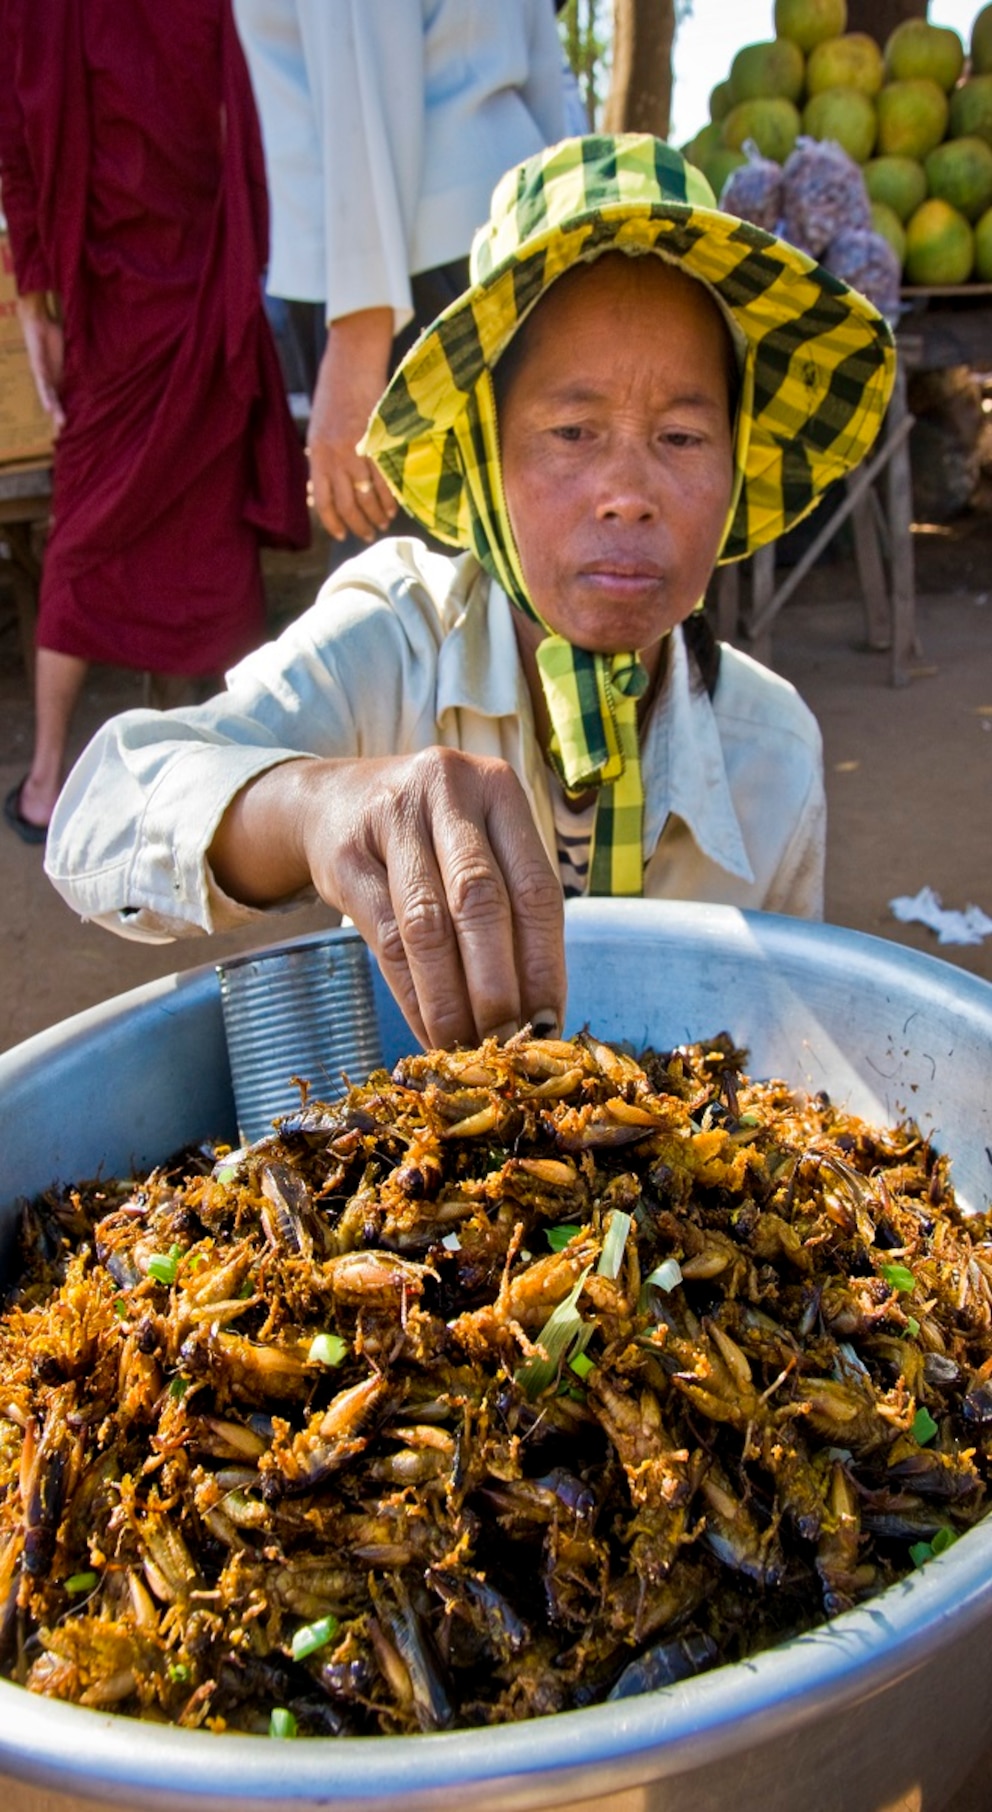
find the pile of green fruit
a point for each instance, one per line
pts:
(916, 116)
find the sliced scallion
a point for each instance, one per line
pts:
(666, 1276)
(312, 1636)
(164, 1265)
(924, 1427)
(563, 1335)
(327, 1349)
(899, 1278)
(281, 1722)
(558, 1237)
(611, 1258)
(451, 1242)
(581, 1365)
(912, 1326)
(81, 1582)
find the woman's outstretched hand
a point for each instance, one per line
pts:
(436, 860)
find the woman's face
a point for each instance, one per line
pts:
(617, 450)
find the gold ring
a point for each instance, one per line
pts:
(363, 486)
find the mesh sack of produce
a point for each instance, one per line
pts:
(823, 192)
(754, 190)
(868, 263)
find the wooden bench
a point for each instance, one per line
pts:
(25, 502)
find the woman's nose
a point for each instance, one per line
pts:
(628, 485)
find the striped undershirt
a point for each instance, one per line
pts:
(573, 837)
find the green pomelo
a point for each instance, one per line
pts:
(940, 246)
(960, 171)
(971, 109)
(773, 125)
(721, 101)
(886, 221)
(707, 140)
(720, 165)
(762, 71)
(983, 247)
(899, 182)
(917, 49)
(809, 22)
(981, 43)
(853, 61)
(844, 116)
(912, 117)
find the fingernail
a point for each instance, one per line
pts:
(545, 1024)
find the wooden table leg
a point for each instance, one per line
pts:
(899, 498)
(762, 587)
(871, 574)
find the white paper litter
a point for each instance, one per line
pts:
(924, 908)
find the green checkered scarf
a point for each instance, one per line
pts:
(817, 376)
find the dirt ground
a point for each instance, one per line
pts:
(909, 775)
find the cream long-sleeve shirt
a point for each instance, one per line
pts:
(386, 126)
(403, 650)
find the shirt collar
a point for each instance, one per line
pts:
(479, 669)
(684, 769)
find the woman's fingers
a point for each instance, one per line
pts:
(448, 881)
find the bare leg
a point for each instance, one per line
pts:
(168, 691)
(58, 682)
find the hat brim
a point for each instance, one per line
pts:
(822, 358)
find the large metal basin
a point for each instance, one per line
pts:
(887, 1708)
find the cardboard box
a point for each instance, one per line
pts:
(25, 429)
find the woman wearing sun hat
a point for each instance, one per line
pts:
(633, 386)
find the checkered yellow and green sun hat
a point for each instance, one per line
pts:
(817, 370)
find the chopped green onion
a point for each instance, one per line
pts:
(666, 1276)
(247, 1289)
(178, 1388)
(924, 1427)
(282, 1722)
(451, 1242)
(178, 1672)
(226, 1173)
(582, 1365)
(120, 1308)
(164, 1265)
(563, 1335)
(922, 1551)
(749, 1120)
(611, 1257)
(312, 1636)
(558, 1237)
(81, 1582)
(327, 1349)
(912, 1326)
(899, 1277)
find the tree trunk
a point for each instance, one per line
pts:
(640, 96)
(880, 17)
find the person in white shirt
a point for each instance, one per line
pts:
(386, 126)
(633, 386)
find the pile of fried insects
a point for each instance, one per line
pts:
(519, 1379)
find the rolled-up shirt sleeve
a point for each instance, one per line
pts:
(355, 675)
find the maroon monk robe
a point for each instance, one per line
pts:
(134, 188)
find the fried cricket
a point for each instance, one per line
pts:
(521, 1378)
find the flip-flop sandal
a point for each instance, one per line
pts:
(23, 828)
